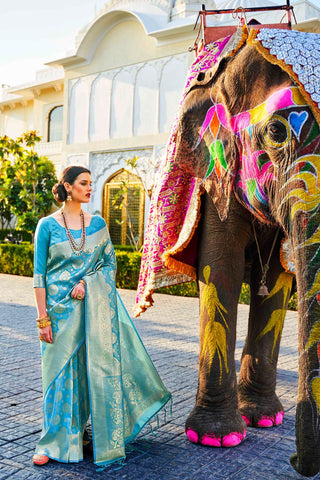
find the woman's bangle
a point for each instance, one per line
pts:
(82, 282)
(43, 323)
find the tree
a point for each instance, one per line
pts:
(27, 180)
(8, 150)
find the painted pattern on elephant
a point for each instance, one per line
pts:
(255, 168)
(276, 320)
(215, 339)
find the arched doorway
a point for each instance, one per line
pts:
(123, 208)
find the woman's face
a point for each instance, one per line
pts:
(81, 188)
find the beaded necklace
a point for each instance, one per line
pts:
(75, 247)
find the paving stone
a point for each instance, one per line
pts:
(167, 454)
(7, 471)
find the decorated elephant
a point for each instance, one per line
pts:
(237, 198)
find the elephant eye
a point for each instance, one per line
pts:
(276, 131)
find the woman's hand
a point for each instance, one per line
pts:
(45, 334)
(79, 291)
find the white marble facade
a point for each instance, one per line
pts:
(135, 100)
(132, 101)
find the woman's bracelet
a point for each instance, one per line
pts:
(82, 282)
(43, 323)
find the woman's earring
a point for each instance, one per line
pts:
(69, 198)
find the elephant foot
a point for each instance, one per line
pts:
(265, 421)
(260, 411)
(231, 440)
(208, 428)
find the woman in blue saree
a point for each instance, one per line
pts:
(93, 361)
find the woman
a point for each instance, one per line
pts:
(93, 361)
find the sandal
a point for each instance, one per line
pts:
(39, 459)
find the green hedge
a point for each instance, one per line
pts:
(128, 266)
(18, 260)
(124, 248)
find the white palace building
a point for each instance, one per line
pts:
(116, 94)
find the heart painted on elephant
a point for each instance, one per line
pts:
(296, 121)
(315, 387)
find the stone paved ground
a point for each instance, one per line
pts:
(170, 333)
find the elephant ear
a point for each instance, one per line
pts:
(206, 149)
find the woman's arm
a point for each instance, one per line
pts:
(46, 332)
(41, 246)
(40, 295)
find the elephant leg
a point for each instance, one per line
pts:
(215, 419)
(258, 402)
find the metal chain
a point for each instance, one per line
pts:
(264, 268)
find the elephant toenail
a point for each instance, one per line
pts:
(279, 418)
(211, 441)
(192, 436)
(233, 439)
(265, 422)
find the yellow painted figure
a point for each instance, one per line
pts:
(215, 337)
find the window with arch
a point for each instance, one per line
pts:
(123, 208)
(55, 122)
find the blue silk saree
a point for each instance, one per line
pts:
(97, 364)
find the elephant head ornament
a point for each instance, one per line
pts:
(249, 133)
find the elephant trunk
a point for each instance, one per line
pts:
(306, 258)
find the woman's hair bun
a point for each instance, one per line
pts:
(59, 192)
(68, 175)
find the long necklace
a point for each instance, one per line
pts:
(75, 247)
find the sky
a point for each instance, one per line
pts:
(33, 32)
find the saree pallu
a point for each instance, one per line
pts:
(97, 364)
